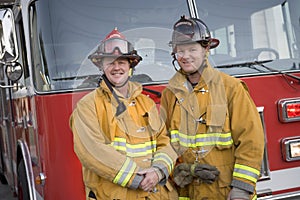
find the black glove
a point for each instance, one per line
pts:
(182, 175)
(204, 172)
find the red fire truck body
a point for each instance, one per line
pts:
(45, 70)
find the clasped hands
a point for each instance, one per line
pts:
(151, 179)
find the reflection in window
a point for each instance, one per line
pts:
(64, 34)
(267, 28)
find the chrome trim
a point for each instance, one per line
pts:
(281, 196)
(280, 180)
(42, 178)
(265, 170)
(285, 146)
(28, 168)
(192, 8)
(282, 114)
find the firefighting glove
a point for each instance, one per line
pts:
(204, 172)
(237, 193)
(182, 175)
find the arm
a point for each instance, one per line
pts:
(248, 137)
(93, 149)
(164, 157)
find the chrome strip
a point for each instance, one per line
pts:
(192, 8)
(281, 196)
(280, 180)
(265, 170)
(28, 168)
(282, 104)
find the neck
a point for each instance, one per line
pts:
(123, 90)
(194, 78)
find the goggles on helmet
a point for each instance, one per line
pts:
(111, 45)
(115, 45)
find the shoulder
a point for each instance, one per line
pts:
(167, 91)
(230, 79)
(145, 99)
(88, 99)
(233, 82)
(136, 91)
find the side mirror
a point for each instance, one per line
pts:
(14, 71)
(8, 44)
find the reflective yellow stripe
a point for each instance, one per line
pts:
(246, 172)
(125, 172)
(184, 198)
(203, 139)
(134, 150)
(254, 197)
(166, 159)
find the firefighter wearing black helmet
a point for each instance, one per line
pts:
(119, 137)
(213, 123)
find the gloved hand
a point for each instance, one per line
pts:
(204, 172)
(237, 193)
(182, 175)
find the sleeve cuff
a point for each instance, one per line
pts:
(136, 182)
(164, 172)
(242, 185)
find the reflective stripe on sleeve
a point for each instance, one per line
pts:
(134, 150)
(203, 139)
(246, 172)
(125, 172)
(166, 159)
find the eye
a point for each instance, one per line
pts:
(107, 65)
(122, 62)
(180, 53)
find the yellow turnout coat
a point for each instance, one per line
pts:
(112, 149)
(217, 121)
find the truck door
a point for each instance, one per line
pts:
(8, 55)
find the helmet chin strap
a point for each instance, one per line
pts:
(121, 106)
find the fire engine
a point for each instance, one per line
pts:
(45, 70)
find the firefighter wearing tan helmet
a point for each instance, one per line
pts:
(119, 138)
(213, 123)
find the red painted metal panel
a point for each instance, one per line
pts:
(59, 162)
(266, 91)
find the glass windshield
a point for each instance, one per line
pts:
(253, 31)
(65, 32)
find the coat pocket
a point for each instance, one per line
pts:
(109, 190)
(225, 177)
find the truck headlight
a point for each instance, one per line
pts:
(291, 148)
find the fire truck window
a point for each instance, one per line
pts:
(254, 31)
(64, 35)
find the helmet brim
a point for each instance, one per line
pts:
(214, 43)
(97, 58)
